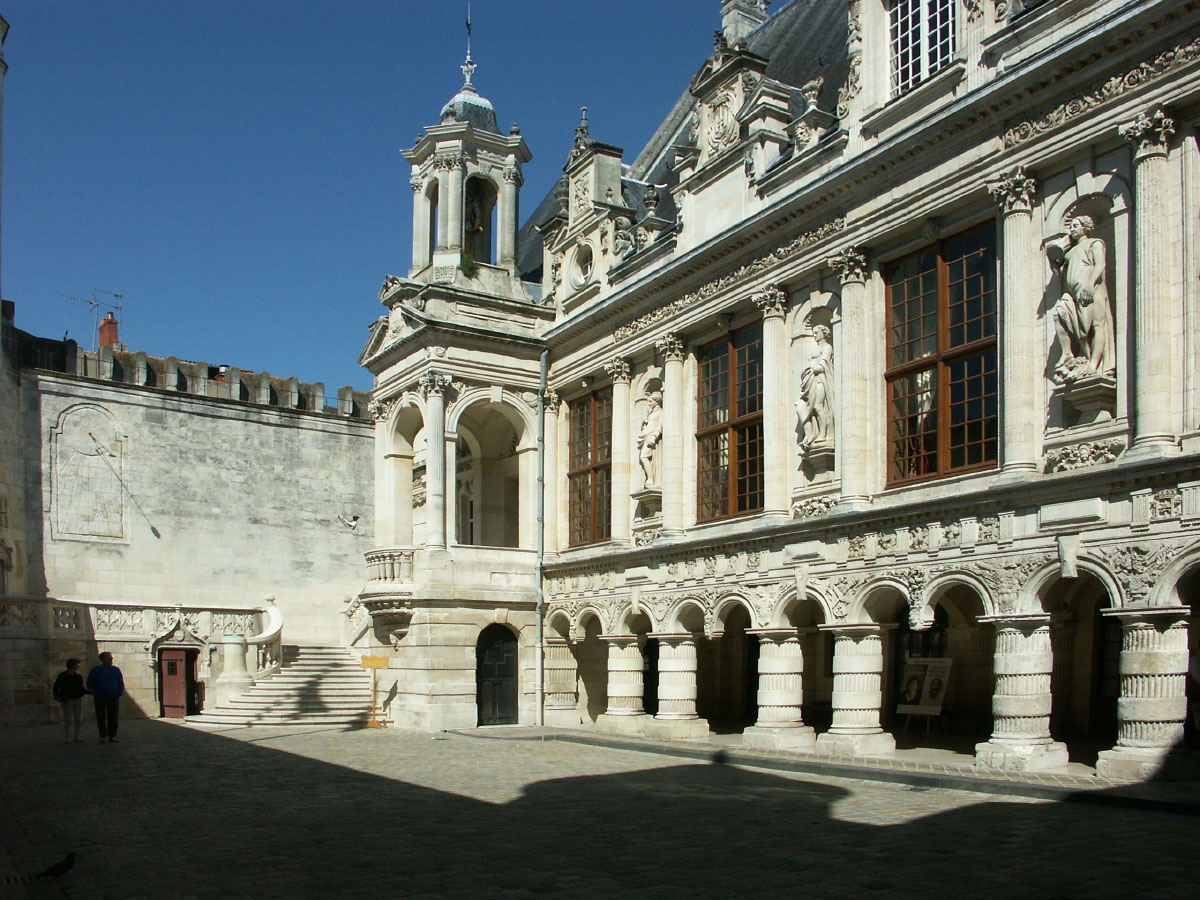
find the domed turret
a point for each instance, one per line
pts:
(469, 106)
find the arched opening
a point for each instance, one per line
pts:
(1085, 683)
(488, 478)
(1188, 591)
(496, 676)
(727, 675)
(816, 652)
(591, 661)
(640, 624)
(479, 219)
(432, 203)
(402, 504)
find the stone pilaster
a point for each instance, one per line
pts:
(562, 701)
(857, 693)
(676, 716)
(434, 385)
(772, 302)
(855, 430)
(625, 713)
(552, 477)
(420, 226)
(454, 202)
(1023, 662)
(507, 239)
(1154, 423)
(780, 694)
(1018, 339)
(443, 224)
(671, 350)
(1153, 703)
(618, 370)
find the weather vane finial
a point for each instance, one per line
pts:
(468, 68)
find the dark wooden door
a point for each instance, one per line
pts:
(496, 676)
(172, 669)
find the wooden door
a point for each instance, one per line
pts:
(172, 669)
(496, 676)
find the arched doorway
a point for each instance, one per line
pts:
(727, 675)
(496, 676)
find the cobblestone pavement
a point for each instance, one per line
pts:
(177, 812)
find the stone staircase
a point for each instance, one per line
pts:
(314, 686)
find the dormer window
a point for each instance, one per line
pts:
(922, 40)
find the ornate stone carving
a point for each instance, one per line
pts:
(813, 507)
(1004, 577)
(513, 176)
(951, 534)
(625, 242)
(844, 588)
(1083, 317)
(1014, 192)
(1138, 566)
(67, 618)
(117, 618)
(650, 438)
(582, 192)
(771, 301)
(850, 265)
(19, 615)
(857, 546)
(390, 284)
(918, 537)
(618, 369)
(434, 383)
(1149, 132)
(1145, 72)
(722, 131)
(885, 543)
(1079, 456)
(1165, 505)
(814, 409)
(670, 348)
(974, 9)
(989, 530)
(380, 409)
(743, 273)
(648, 536)
(552, 401)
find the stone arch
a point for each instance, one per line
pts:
(404, 425)
(686, 616)
(481, 207)
(921, 609)
(872, 595)
(558, 624)
(509, 404)
(590, 611)
(1165, 591)
(725, 604)
(1032, 595)
(789, 600)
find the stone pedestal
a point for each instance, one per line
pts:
(234, 679)
(562, 701)
(780, 695)
(676, 689)
(625, 713)
(818, 458)
(1023, 662)
(1153, 703)
(1089, 400)
(857, 694)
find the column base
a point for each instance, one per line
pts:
(672, 729)
(635, 724)
(562, 718)
(1021, 757)
(1153, 447)
(1142, 764)
(878, 744)
(764, 737)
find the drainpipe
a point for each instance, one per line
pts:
(541, 536)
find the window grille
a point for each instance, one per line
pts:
(922, 40)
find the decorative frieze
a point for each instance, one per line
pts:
(18, 615)
(813, 507)
(1080, 456)
(1138, 566)
(117, 618)
(67, 618)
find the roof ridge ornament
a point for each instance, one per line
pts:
(468, 67)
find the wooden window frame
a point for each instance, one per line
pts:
(597, 470)
(733, 427)
(940, 362)
(924, 42)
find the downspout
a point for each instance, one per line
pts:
(541, 537)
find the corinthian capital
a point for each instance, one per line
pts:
(1150, 133)
(771, 302)
(1015, 191)
(618, 369)
(850, 266)
(670, 348)
(434, 383)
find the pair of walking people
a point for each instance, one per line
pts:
(106, 685)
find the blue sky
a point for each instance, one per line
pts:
(232, 167)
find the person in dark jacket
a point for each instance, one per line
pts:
(69, 691)
(106, 685)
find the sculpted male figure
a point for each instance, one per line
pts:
(1083, 314)
(649, 436)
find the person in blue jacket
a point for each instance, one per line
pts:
(106, 686)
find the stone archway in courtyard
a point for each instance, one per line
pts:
(591, 663)
(497, 688)
(727, 672)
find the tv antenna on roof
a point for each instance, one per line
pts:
(94, 303)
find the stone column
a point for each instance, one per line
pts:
(454, 202)
(857, 693)
(550, 474)
(776, 447)
(434, 385)
(443, 218)
(619, 370)
(1018, 338)
(507, 239)
(1021, 701)
(562, 701)
(1153, 423)
(780, 694)
(676, 716)
(671, 470)
(625, 713)
(420, 226)
(1153, 703)
(856, 431)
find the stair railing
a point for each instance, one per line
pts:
(268, 645)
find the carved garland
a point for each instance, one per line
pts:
(1079, 456)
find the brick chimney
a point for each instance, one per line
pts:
(108, 331)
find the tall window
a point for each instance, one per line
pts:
(590, 475)
(941, 377)
(922, 40)
(730, 436)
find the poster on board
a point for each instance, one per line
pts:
(923, 687)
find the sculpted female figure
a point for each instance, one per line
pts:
(1083, 314)
(815, 406)
(649, 436)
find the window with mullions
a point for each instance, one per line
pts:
(941, 377)
(922, 40)
(730, 433)
(590, 473)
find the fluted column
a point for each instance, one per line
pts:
(1153, 321)
(1153, 703)
(857, 693)
(562, 701)
(671, 350)
(1021, 700)
(855, 431)
(780, 693)
(618, 369)
(420, 226)
(625, 685)
(434, 385)
(454, 202)
(676, 717)
(1018, 339)
(550, 473)
(777, 468)
(507, 239)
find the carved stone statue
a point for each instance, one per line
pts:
(624, 243)
(815, 406)
(649, 437)
(1083, 315)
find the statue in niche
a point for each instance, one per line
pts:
(1083, 315)
(649, 437)
(815, 406)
